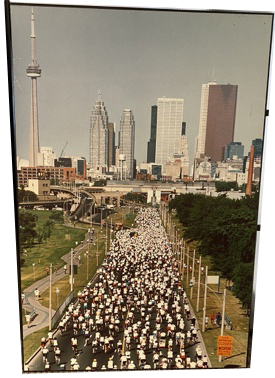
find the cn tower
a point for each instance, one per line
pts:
(33, 71)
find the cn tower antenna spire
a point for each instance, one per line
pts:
(33, 71)
(34, 61)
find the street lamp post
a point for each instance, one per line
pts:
(87, 255)
(183, 259)
(199, 284)
(50, 300)
(72, 270)
(205, 296)
(223, 315)
(106, 242)
(33, 271)
(187, 263)
(97, 251)
(193, 274)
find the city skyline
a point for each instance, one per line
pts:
(68, 94)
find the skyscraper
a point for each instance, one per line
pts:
(258, 147)
(48, 156)
(98, 135)
(151, 148)
(169, 128)
(33, 71)
(111, 144)
(127, 140)
(233, 149)
(217, 120)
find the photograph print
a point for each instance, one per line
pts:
(137, 143)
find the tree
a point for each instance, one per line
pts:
(57, 216)
(27, 231)
(47, 229)
(225, 230)
(243, 283)
(225, 186)
(26, 195)
(135, 197)
(100, 182)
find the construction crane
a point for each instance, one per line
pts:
(63, 150)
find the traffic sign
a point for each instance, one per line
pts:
(224, 347)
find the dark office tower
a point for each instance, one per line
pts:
(183, 128)
(134, 169)
(151, 149)
(233, 149)
(258, 147)
(63, 162)
(111, 144)
(221, 116)
(217, 120)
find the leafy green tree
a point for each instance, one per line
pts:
(100, 182)
(27, 231)
(57, 216)
(47, 229)
(40, 234)
(222, 186)
(135, 197)
(225, 230)
(26, 195)
(243, 282)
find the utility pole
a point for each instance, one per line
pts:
(97, 252)
(111, 231)
(106, 241)
(193, 274)
(50, 299)
(223, 315)
(187, 269)
(72, 269)
(88, 254)
(205, 295)
(199, 284)
(183, 259)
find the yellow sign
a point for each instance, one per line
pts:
(224, 347)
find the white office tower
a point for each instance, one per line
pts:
(48, 156)
(98, 135)
(169, 127)
(127, 141)
(200, 139)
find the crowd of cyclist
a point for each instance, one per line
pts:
(136, 314)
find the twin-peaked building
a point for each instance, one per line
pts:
(102, 140)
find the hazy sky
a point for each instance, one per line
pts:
(133, 57)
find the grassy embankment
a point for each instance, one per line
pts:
(233, 309)
(61, 241)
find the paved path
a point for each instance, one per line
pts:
(41, 319)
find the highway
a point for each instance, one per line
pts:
(123, 279)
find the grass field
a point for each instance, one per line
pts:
(233, 309)
(32, 342)
(62, 239)
(80, 279)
